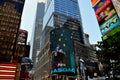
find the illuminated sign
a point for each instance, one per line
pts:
(104, 11)
(63, 59)
(111, 32)
(59, 70)
(110, 24)
(106, 15)
(22, 37)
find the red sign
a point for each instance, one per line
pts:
(7, 71)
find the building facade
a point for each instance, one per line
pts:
(10, 18)
(60, 16)
(42, 68)
(37, 30)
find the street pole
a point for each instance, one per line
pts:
(77, 67)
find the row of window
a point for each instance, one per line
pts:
(6, 52)
(7, 34)
(8, 29)
(8, 24)
(10, 15)
(6, 19)
(6, 45)
(7, 39)
(68, 8)
(8, 10)
(72, 24)
(8, 4)
(42, 70)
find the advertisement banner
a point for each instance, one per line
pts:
(63, 60)
(111, 32)
(110, 24)
(106, 15)
(22, 36)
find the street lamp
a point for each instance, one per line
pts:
(82, 68)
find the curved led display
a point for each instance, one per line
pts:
(63, 60)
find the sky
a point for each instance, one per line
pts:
(89, 21)
(90, 25)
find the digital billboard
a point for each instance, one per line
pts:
(22, 36)
(61, 45)
(110, 24)
(106, 14)
(111, 32)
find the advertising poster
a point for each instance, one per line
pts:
(63, 60)
(111, 32)
(22, 37)
(106, 15)
(110, 24)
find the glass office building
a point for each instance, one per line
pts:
(59, 13)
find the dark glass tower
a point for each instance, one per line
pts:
(10, 18)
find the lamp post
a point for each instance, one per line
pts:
(82, 68)
(77, 68)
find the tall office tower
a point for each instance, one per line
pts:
(64, 13)
(59, 13)
(61, 23)
(10, 18)
(37, 30)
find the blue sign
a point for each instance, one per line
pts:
(60, 70)
(63, 59)
(26, 64)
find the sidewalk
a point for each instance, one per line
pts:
(98, 78)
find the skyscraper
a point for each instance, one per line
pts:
(61, 17)
(37, 30)
(10, 18)
(59, 13)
